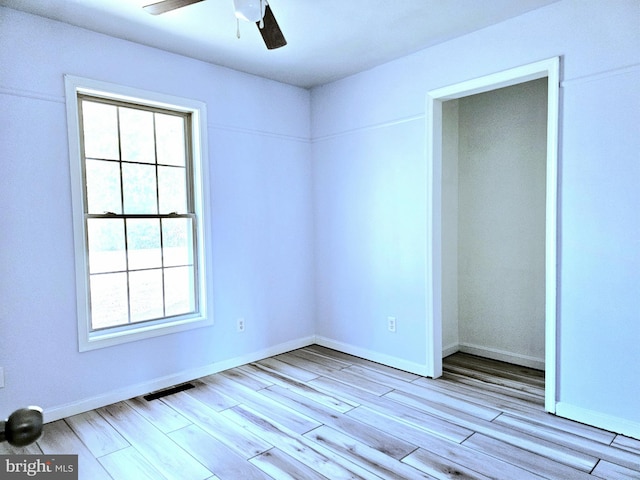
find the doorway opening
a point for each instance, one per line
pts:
(510, 248)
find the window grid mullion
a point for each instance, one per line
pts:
(155, 153)
(124, 217)
(140, 215)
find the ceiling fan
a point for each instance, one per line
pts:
(257, 11)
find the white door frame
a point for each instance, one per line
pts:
(550, 69)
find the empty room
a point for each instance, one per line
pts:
(303, 240)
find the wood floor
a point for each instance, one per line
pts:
(319, 414)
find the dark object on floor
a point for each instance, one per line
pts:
(24, 426)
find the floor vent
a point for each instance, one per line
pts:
(168, 391)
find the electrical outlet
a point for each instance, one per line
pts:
(240, 325)
(391, 324)
(1, 377)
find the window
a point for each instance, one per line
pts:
(137, 192)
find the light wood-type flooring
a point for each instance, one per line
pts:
(315, 413)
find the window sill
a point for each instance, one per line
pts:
(117, 336)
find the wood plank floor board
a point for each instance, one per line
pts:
(508, 383)
(211, 397)
(344, 375)
(500, 404)
(252, 381)
(301, 362)
(627, 443)
(585, 445)
(58, 438)
(498, 369)
(458, 453)
(412, 433)
(312, 361)
(530, 461)
(352, 360)
(302, 449)
(534, 444)
(282, 414)
(374, 437)
(492, 388)
(361, 454)
(163, 417)
(215, 424)
(359, 381)
(217, 457)
(467, 406)
(611, 471)
(516, 408)
(315, 414)
(8, 449)
(96, 433)
(493, 399)
(378, 376)
(328, 357)
(442, 468)
(400, 411)
(477, 461)
(281, 466)
(293, 371)
(129, 464)
(334, 401)
(164, 454)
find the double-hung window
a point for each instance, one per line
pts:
(137, 185)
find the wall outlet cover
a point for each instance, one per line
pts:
(391, 324)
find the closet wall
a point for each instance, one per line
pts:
(494, 223)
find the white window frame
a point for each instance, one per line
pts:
(88, 339)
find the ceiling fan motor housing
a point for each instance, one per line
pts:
(249, 10)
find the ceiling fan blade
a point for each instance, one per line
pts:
(167, 6)
(271, 33)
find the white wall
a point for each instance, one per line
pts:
(260, 229)
(370, 190)
(501, 223)
(369, 246)
(600, 270)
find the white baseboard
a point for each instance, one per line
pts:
(450, 349)
(84, 405)
(389, 360)
(502, 355)
(600, 420)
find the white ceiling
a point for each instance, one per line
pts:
(327, 39)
